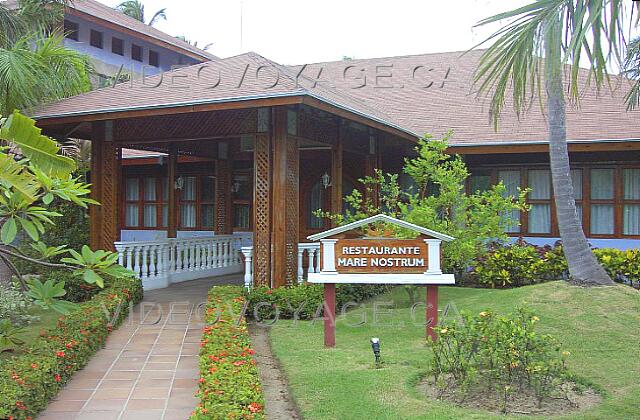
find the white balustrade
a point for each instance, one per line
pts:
(160, 263)
(312, 251)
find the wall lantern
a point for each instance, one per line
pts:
(235, 187)
(179, 184)
(326, 181)
(375, 346)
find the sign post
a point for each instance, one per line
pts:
(349, 257)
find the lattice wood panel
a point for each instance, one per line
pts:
(315, 128)
(262, 211)
(109, 195)
(292, 210)
(223, 197)
(187, 126)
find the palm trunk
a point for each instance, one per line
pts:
(583, 265)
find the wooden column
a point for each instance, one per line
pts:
(104, 179)
(371, 164)
(172, 204)
(224, 208)
(262, 210)
(336, 174)
(286, 163)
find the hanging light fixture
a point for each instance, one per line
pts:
(179, 184)
(235, 187)
(326, 180)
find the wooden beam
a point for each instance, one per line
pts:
(172, 204)
(286, 162)
(543, 148)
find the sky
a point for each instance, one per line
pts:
(303, 32)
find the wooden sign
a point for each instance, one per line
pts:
(364, 256)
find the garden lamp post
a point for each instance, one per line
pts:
(375, 346)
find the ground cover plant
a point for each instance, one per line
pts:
(229, 381)
(597, 326)
(29, 380)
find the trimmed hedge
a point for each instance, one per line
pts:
(229, 381)
(304, 301)
(29, 381)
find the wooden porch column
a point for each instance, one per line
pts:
(336, 174)
(104, 179)
(286, 177)
(172, 203)
(224, 221)
(371, 164)
(262, 210)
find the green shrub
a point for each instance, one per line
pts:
(229, 381)
(78, 290)
(622, 266)
(304, 301)
(503, 354)
(512, 265)
(29, 381)
(15, 306)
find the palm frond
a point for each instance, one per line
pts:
(159, 15)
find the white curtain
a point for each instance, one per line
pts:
(165, 215)
(632, 219)
(631, 180)
(602, 184)
(602, 219)
(188, 215)
(208, 215)
(131, 218)
(149, 189)
(132, 189)
(132, 211)
(189, 189)
(150, 215)
(540, 184)
(540, 218)
(511, 181)
(576, 179)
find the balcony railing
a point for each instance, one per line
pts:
(160, 263)
(307, 252)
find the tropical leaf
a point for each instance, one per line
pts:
(12, 175)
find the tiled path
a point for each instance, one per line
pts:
(149, 367)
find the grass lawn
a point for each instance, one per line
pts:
(600, 327)
(48, 319)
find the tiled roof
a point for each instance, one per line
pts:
(431, 93)
(106, 13)
(452, 104)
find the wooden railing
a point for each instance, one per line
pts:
(160, 263)
(309, 252)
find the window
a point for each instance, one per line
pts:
(145, 206)
(347, 189)
(540, 201)
(188, 202)
(242, 194)
(208, 202)
(95, 39)
(602, 202)
(576, 179)
(117, 46)
(511, 181)
(71, 30)
(154, 58)
(631, 201)
(479, 181)
(136, 52)
(316, 200)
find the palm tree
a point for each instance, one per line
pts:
(35, 66)
(575, 32)
(135, 9)
(632, 71)
(207, 47)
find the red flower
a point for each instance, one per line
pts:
(57, 378)
(60, 354)
(269, 292)
(201, 380)
(239, 363)
(254, 407)
(34, 366)
(251, 351)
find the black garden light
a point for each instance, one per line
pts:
(375, 346)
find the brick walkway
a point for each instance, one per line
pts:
(149, 367)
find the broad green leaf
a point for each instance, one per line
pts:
(13, 176)
(47, 199)
(41, 150)
(8, 231)
(30, 228)
(92, 277)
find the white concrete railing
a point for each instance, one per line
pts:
(160, 263)
(309, 250)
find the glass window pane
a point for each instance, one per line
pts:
(149, 189)
(165, 215)
(480, 183)
(241, 216)
(189, 188)
(540, 184)
(150, 215)
(631, 181)
(512, 221)
(208, 214)
(540, 218)
(208, 192)
(131, 215)
(188, 215)
(602, 219)
(315, 203)
(241, 187)
(132, 189)
(631, 219)
(165, 189)
(579, 211)
(576, 179)
(511, 181)
(602, 184)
